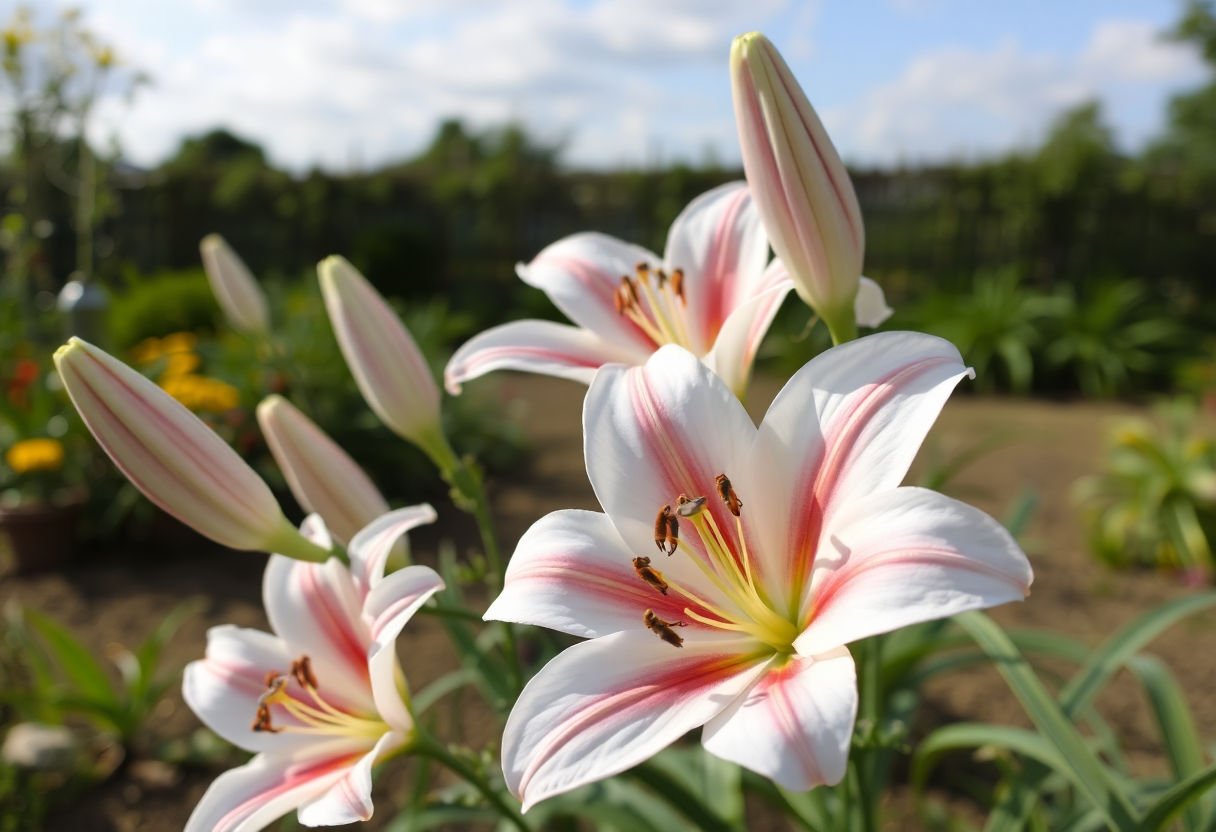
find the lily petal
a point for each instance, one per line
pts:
(315, 608)
(906, 556)
(735, 349)
(370, 548)
(572, 572)
(581, 273)
(250, 797)
(848, 424)
(795, 725)
(224, 688)
(654, 432)
(536, 347)
(393, 602)
(870, 306)
(350, 799)
(720, 244)
(235, 289)
(322, 477)
(607, 704)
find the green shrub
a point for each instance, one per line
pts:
(155, 305)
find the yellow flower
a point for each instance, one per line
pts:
(180, 364)
(34, 455)
(147, 351)
(201, 393)
(179, 342)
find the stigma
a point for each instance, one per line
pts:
(740, 604)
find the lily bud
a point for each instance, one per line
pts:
(323, 478)
(801, 187)
(237, 292)
(170, 455)
(387, 365)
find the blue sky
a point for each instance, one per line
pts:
(353, 83)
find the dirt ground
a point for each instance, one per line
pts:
(119, 597)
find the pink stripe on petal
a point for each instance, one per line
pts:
(293, 777)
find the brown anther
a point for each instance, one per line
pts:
(689, 508)
(618, 301)
(666, 531)
(629, 291)
(649, 574)
(677, 283)
(261, 721)
(728, 495)
(662, 278)
(301, 670)
(271, 679)
(663, 629)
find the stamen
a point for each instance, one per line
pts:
(301, 671)
(663, 629)
(649, 574)
(728, 495)
(666, 531)
(677, 284)
(689, 508)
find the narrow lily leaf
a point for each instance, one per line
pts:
(1173, 714)
(679, 796)
(977, 735)
(75, 661)
(807, 809)
(1178, 798)
(1126, 643)
(1050, 719)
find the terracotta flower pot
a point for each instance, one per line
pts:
(38, 536)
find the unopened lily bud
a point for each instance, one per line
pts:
(235, 289)
(170, 455)
(323, 478)
(801, 187)
(390, 370)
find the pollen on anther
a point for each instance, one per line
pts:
(301, 671)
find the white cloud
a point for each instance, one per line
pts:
(966, 102)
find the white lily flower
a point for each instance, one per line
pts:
(322, 699)
(713, 292)
(235, 289)
(171, 455)
(776, 547)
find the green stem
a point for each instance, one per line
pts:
(842, 327)
(470, 494)
(428, 746)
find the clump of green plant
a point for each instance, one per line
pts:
(1155, 502)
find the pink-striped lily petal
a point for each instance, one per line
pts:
(654, 432)
(605, 705)
(370, 548)
(795, 725)
(580, 274)
(848, 424)
(316, 609)
(720, 244)
(390, 370)
(250, 797)
(537, 347)
(905, 556)
(168, 453)
(349, 800)
(572, 572)
(391, 603)
(870, 306)
(734, 351)
(224, 688)
(322, 477)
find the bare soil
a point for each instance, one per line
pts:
(118, 597)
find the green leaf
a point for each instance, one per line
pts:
(1123, 645)
(1173, 715)
(1084, 767)
(75, 661)
(1178, 798)
(441, 687)
(977, 735)
(679, 797)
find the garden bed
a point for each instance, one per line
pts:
(118, 597)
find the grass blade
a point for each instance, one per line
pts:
(1178, 798)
